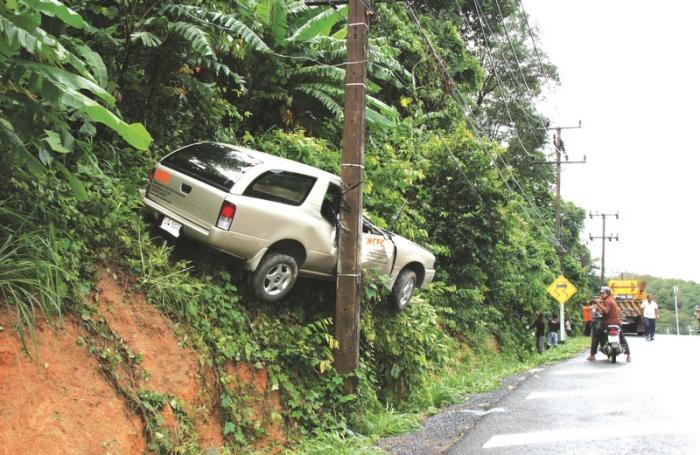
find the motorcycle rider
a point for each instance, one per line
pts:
(611, 316)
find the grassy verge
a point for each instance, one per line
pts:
(477, 374)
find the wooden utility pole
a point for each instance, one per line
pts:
(603, 237)
(347, 304)
(559, 148)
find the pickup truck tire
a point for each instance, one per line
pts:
(403, 289)
(275, 276)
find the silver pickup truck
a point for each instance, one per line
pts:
(279, 216)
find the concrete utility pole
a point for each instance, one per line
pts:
(347, 304)
(676, 291)
(559, 148)
(603, 237)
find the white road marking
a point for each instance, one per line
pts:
(586, 434)
(482, 412)
(582, 393)
(584, 371)
(566, 393)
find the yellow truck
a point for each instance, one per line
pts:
(629, 295)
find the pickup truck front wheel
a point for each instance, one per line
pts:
(275, 276)
(403, 289)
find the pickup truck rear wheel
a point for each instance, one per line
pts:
(275, 276)
(403, 289)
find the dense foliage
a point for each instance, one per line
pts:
(93, 92)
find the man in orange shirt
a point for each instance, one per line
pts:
(587, 317)
(611, 316)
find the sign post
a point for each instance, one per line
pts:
(562, 290)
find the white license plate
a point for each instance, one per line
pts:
(170, 226)
(613, 338)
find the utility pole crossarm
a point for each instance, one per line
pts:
(604, 238)
(559, 148)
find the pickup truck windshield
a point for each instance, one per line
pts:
(216, 164)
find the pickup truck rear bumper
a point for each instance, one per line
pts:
(251, 249)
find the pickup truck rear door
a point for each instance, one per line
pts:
(194, 181)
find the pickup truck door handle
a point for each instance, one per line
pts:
(185, 188)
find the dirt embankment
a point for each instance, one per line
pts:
(76, 399)
(62, 404)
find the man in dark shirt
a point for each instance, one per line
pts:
(611, 316)
(539, 332)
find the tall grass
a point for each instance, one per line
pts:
(338, 444)
(30, 272)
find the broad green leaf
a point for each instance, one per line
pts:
(381, 106)
(94, 61)
(67, 80)
(340, 34)
(9, 139)
(376, 119)
(88, 129)
(273, 14)
(321, 24)
(55, 8)
(33, 164)
(54, 141)
(75, 184)
(135, 133)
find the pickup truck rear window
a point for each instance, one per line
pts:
(281, 186)
(216, 164)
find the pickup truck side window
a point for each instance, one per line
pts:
(331, 203)
(281, 186)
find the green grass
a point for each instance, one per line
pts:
(388, 422)
(30, 278)
(338, 444)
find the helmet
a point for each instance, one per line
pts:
(606, 289)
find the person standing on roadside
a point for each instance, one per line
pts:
(567, 325)
(552, 337)
(651, 314)
(610, 316)
(588, 317)
(539, 326)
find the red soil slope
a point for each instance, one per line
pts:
(62, 403)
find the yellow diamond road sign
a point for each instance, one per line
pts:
(561, 289)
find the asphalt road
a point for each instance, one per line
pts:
(649, 406)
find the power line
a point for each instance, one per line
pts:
(483, 23)
(497, 157)
(517, 60)
(534, 42)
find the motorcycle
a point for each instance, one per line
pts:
(610, 343)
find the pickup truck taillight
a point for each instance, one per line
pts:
(226, 214)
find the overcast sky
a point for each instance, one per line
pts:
(629, 72)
